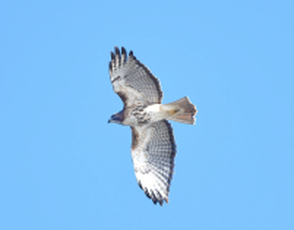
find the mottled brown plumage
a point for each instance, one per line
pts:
(153, 145)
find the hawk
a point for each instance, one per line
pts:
(153, 146)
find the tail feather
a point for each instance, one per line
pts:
(181, 110)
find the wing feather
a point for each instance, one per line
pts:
(133, 81)
(153, 152)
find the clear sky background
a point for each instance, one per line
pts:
(62, 166)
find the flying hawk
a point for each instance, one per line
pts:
(153, 146)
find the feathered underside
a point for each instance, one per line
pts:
(153, 152)
(153, 146)
(133, 81)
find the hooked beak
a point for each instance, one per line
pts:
(115, 119)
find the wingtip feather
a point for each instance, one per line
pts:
(166, 199)
(112, 55)
(123, 50)
(117, 52)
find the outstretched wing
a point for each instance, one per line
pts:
(153, 152)
(132, 81)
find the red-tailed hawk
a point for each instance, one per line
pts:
(153, 145)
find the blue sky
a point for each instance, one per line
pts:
(62, 166)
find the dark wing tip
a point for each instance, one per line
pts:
(116, 57)
(123, 50)
(166, 200)
(110, 66)
(117, 52)
(131, 53)
(111, 62)
(154, 196)
(112, 56)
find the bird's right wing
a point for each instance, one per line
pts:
(153, 152)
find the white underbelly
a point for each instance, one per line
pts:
(156, 113)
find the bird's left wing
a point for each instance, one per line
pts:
(153, 152)
(133, 81)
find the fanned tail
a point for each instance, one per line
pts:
(181, 110)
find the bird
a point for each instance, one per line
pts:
(153, 147)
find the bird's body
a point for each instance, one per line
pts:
(153, 146)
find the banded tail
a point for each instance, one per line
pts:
(181, 110)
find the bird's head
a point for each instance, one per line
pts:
(117, 118)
